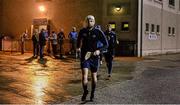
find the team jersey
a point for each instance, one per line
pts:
(90, 40)
(111, 37)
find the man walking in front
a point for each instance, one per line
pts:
(87, 43)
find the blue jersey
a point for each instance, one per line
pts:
(73, 35)
(90, 40)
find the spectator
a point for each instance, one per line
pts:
(61, 37)
(73, 39)
(42, 42)
(23, 37)
(35, 40)
(53, 39)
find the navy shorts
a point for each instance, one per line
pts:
(92, 64)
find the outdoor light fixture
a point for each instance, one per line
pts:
(42, 8)
(118, 8)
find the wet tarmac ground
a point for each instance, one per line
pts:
(26, 80)
(148, 80)
(156, 80)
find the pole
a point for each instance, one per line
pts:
(140, 27)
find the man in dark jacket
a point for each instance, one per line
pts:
(35, 40)
(61, 38)
(42, 42)
(87, 44)
(109, 55)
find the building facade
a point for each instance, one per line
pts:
(143, 27)
(160, 27)
(20, 15)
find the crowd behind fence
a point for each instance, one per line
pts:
(15, 45)
(125, 48)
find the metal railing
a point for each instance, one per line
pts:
(16, 45)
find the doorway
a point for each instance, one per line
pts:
(39, 24)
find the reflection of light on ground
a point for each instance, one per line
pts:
(39, 84)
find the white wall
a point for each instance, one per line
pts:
(166, 17)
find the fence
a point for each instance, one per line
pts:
(15, 45)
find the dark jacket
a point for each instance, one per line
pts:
(42, 39)
(34, 39)
(111, 37)
(90, 40)
(60, 37)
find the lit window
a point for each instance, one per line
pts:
(125, 26)
(113, 25)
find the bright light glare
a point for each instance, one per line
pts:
(42, 8)
(118, 8)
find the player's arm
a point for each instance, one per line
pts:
(104, 41)
(79, 40)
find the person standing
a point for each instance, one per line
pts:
(48, 42)
(53, 39)
(109, 55)
(61, 38)
(22, 38)
(42, 43)
(35, 40)
(73, 39)
(87, 43)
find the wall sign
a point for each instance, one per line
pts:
(41, 21)
(152, 36)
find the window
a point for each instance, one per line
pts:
(158, 29)
(158, 1)
(173, 31)
(169, 30)
(152, 28)
(179, 5)
(147, 27)
(113, 25)
(172, 2)
(125, 26)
